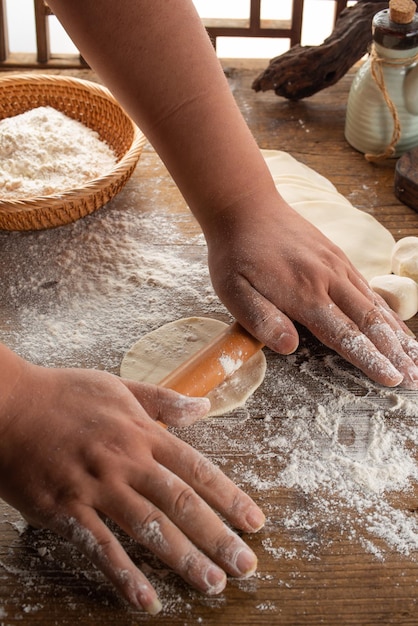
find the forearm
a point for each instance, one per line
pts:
(159, 63)
(11, 370)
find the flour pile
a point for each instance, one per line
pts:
(43, 152)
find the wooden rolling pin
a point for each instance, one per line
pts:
(212, 364)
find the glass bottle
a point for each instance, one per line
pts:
(382, 107)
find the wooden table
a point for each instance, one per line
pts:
(322, 559)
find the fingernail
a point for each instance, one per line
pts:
(192, 402)
(153, 607)
(246, 562)
(255, 518)
(411, 379)
(287, 343)
(192, 409)
(413, 373)
(392, 372)
(215, 579)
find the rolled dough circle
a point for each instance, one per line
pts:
(159, 352)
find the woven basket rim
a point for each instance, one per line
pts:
(93, 186)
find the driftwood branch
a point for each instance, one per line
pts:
(305, 70)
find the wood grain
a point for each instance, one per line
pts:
(406, 179)
(308, 575)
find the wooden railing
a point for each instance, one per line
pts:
(43, 56)
(253, 26)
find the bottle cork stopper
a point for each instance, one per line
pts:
(402, 11)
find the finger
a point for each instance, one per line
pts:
(387, 342)
(167, 405)
(409, 345)
(337, 331)
(177, 524)
(380, 325)
(210, 483)
(145, 522)
(263, 320)
(390, 315)
(92, 537)
(405, 336)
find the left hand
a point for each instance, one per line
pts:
(92, 450)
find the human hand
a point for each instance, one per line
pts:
(91, 449)
(270, 266)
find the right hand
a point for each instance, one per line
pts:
(272, 268)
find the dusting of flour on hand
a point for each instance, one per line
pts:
(43, 152)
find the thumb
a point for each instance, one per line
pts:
(166, 405)
(267, 323)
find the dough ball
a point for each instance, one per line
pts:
(158, 353)
(405, 258)
(400, 293)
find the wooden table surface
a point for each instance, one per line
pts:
(341, 552)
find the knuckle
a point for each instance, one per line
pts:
(265, 325)
(101, 544)
(55, 502)
(344, 333)
(148, 531)
(225, 545)
(377, 327)
(204, 472)
(237, 503)
(372, 317)
(191, 566)
(93, 545)
(183, 501)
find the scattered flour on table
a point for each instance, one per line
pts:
(82, 294)
(342, 446)
(43, 151)
(346, 449)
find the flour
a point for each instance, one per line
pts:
(339, 450)
(352, 457)
(229, 364)
(83, 293)
(43, 152)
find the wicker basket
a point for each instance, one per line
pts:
(90, 104)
